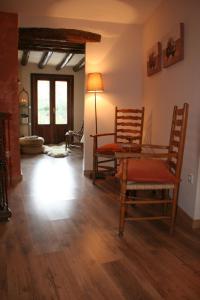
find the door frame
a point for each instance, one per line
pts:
(70, 97)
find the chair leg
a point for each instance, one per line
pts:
(122, 214)
(95, 169)
(174, 209)
(115, 166)
(67, 141)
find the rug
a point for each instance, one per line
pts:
(56, 150)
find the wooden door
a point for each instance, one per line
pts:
(52, 106)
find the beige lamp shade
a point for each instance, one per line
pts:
(95, 82)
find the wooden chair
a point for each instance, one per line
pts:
(155, 171)
(127, 137)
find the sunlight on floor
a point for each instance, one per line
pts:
(53, 187)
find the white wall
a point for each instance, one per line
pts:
(175, 85)
(119, 58)
(79, 88)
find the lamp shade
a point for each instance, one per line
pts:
(95, 82)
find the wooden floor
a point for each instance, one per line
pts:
(62, 242)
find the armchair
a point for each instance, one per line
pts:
(127, 136)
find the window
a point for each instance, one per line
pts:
(43, 96)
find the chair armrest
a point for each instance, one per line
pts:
(101, 134)
(154, 146)
(122, 155)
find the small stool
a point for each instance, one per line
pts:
(31, 144)
(73, 138)
(68, 138)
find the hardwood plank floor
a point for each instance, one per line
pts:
(62, 242)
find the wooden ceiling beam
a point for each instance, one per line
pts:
(44, 59)
(59, 40)
(80, 65)
(52, 34)
(25, 57)
(65, 61)
(55, 47)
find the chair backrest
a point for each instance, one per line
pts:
(129, 125)
(177, 138)
(81, 130)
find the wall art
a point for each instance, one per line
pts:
(173, 46)
(154, 59)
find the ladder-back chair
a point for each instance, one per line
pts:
(155, 171)
(127, 137)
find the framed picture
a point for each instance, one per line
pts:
(173, 46)
(154, 59)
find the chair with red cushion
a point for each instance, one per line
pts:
(127, 138)
(155, 171)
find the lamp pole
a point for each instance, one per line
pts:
(95, 104)
(95, 84)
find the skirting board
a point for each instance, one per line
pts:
(183, 216)
(87, 173)
(194, 224)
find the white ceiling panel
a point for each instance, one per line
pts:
(35, 57)
(55, 59)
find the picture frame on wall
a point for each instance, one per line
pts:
(154, 59)
(173, 46)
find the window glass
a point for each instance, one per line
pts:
(61, 102)
(43, 96)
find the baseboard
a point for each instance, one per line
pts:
(87, 173)
(182, 216)
(196, 224)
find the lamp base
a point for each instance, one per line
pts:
(100, 175)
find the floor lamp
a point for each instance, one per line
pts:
(95, 85)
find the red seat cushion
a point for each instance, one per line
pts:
(118, 147)
(149, 171)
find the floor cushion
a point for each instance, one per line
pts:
(118, 147)
(31, 144)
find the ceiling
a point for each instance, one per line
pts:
(117, 11)
(56, 58)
